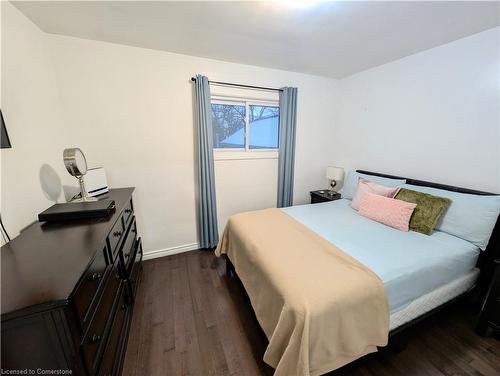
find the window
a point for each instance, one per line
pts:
(228, 120)
(263, 127)
(245, 125)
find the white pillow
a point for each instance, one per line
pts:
(469, 217)
(351, 183)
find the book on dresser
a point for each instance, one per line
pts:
(68, 292)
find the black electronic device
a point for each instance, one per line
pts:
(78, 210)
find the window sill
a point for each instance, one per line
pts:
(228, 155)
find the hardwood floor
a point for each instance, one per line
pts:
(191, 319)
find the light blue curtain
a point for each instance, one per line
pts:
(207, 207)
(288, 125)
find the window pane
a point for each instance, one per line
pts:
(228, 121)
(264, 123)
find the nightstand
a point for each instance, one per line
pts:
(323, 196)
(489, 318)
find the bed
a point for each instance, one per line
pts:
(410, 264)
(420, 274)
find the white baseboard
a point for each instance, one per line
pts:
(170, 251)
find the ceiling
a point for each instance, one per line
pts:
(333, 39)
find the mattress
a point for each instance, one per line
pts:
(409, 264)
(433, 299)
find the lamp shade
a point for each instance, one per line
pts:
(334, 173)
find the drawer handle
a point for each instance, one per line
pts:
(95, 338)
(96, 276)
(128, 211)
(117, 234)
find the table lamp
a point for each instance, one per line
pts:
(334, 174)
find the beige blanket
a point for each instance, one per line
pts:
(319, 308)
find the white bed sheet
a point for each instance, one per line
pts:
(433, 299)
(409, 264)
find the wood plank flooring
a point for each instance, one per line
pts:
(192, 319)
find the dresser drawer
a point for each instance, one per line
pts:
(137, 260)
(110, 364)
(135, 270)
(89, 286)
(115, 236)
(128, 247)
(96, 334)
(127, 212)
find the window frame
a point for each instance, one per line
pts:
(246, 152)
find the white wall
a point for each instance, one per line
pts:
(244, 185)
(434, 115)
(32, 172)
(130, 110)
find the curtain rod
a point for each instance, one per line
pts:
(240, 85)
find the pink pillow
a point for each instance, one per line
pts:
(371, 187)
(389, 211)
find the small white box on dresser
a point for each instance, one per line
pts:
(95, 181)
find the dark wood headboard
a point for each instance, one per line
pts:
(424, 183)
(492, 252)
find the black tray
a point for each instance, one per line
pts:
(78, 210)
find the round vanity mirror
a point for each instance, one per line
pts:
(75, 162)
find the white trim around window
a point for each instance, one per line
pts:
(236, 154)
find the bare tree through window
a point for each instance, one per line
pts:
(263, 112)
(227, 120)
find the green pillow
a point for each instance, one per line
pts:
(428, 211)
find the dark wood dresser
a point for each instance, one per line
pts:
(68, 292)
